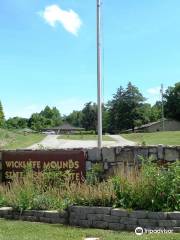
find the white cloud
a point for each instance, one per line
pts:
(70, 20)
(154, 91)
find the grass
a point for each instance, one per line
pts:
(15, 230)
(84, 137)
(13, 139)
(167, 138)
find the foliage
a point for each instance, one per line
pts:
(75, 118)
(94, 175)
(125, 108)
(154, 188)
(2, 118)
(156, 112)
(17, 123)
(89, 116)
(53, 190)
(49, 117)
(172, 102)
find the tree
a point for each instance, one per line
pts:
(105, 119)
(2, 117)
(17, 122)
(89, 116)
(75, 118)
(172, 102)
(156, 112)
(37, 122)
(52, 116)
(125, 108)
(49, 117)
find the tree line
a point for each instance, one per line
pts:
(126, 110)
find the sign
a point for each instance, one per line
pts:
(14, 162)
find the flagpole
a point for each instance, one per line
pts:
(99, 84)
(162, 106)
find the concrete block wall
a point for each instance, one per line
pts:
(35, 215)
(100, 217)
(120, 219)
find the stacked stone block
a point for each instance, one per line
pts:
(35, 216)
(129, 156)
(100, 217)
(119, 219)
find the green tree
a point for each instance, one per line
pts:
(75, 118)
(17, 122)
(2, 117)
(156, 112)
(52, 116)
(125, 109)
(49, 117)
(89, 116)
(37, 122)
(172, 102)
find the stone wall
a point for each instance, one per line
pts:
(35, 216)
(120, 219)
(100, 217)
(126, 157)
(130, 156)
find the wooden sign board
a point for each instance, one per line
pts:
(15, 162)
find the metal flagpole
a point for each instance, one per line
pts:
(162, 99)
(99, 84)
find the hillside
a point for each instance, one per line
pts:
(13, 139)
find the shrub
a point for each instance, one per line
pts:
(153, 188)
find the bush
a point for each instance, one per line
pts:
(153, 188)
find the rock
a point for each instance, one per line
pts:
(94, 154)
(171, 154)
(108, 155)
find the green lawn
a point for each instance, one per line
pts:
(168, 138)
(16, 139)
(84, 137)
(17, 230)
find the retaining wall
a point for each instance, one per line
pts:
(101, 217)
(127, 157)
(113, 157)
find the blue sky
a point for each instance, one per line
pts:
(48, 53)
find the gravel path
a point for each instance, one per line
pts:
(51, 142)
(120, 141)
